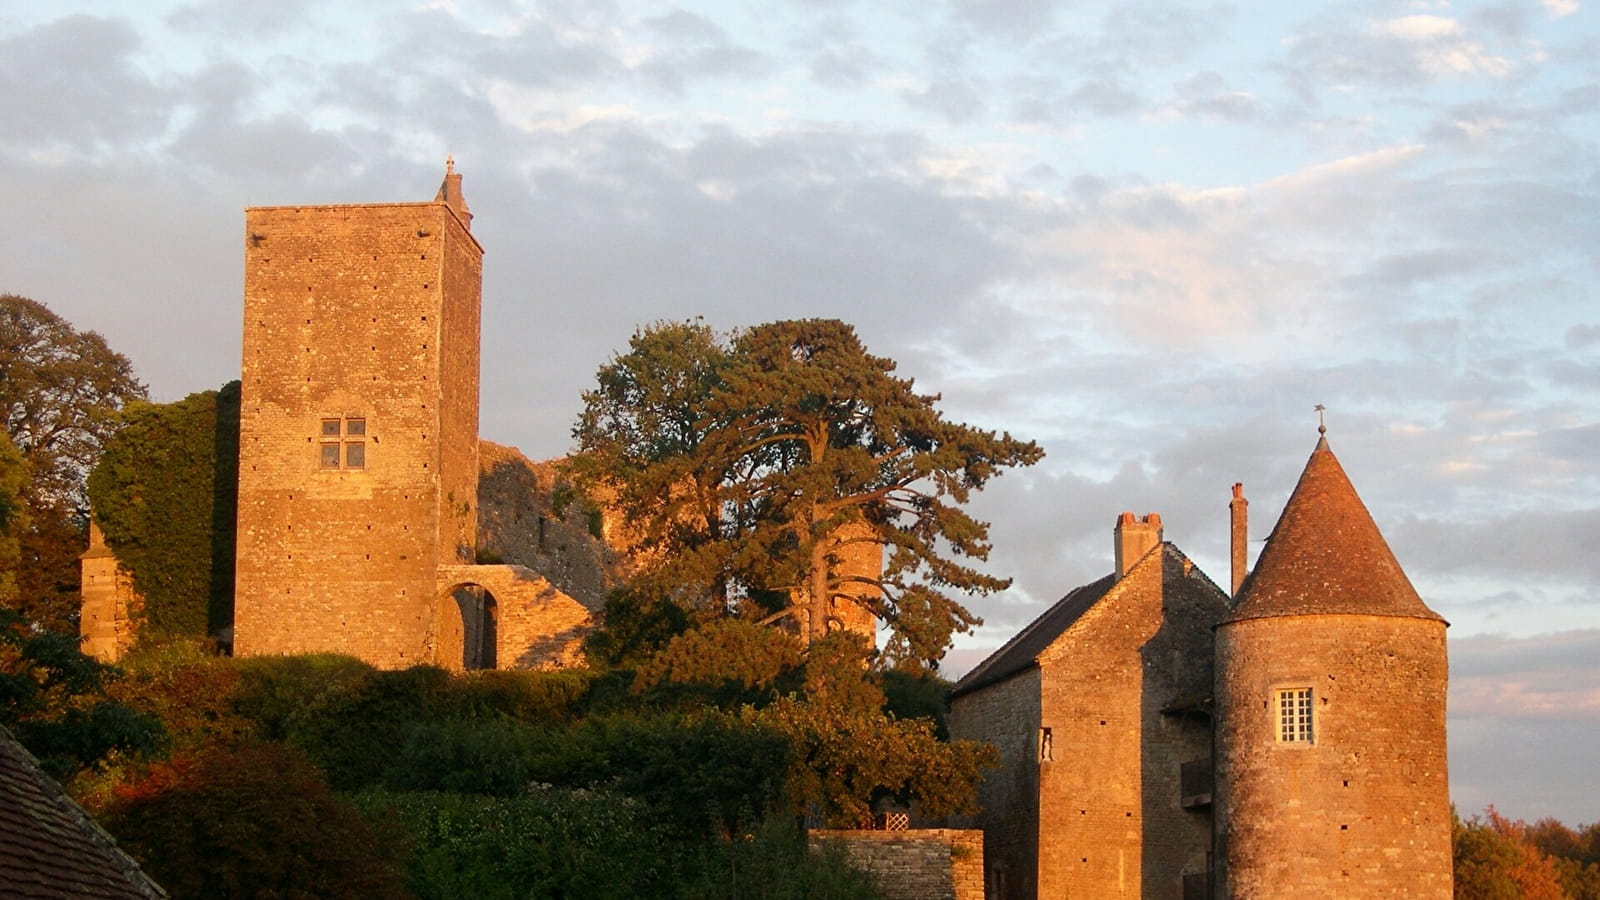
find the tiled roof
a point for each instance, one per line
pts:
(1022, 651)
(49, 847)
(1326, 556)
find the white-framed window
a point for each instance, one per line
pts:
(1295, 724)
(343, 443)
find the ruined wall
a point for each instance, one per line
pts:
(921, 864)
(346, 312)
(1363, 809)
(528, 516)
(1111, 819)
(1006, 714)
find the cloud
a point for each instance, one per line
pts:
(71, 87)
(1559, 9)
(1560, 663)
(1402, 52)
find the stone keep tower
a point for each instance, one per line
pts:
(1330, 694)
(358, 457)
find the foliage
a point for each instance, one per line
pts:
(847, 753)
(247, 822)
(699, 774)
(547, 842)
(918, 695)
(279, 693)
(194, 693)
(165, 492)
(636, 626)
(747, 467)
(772, 863)
(13, 517)
(728, 661)
(59, 391)
(1576, 855)
(1493, 860)
(565, 842)
(351, 729)
(53, 698)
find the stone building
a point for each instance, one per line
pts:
(1160, 741)
(1330, 694)
(359, 451)
(1097, 708)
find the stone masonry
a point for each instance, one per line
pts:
(916, 864)
(358, 472)
(1088, 708)
(110, 604)
(1321, 686)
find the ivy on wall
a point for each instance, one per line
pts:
(165, 492)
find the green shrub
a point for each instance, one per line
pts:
(552, 697)
(772, 863)
(547, 842)
(352, 729)
(279, 693)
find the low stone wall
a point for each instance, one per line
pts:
(919, 864)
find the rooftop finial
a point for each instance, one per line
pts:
(1322, 427)
(449, 163)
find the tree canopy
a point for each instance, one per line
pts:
(754, 471)
(60, 389)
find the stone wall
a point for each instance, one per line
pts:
(920, 864)
(521, 522)
(365, 314)
(1112, 823)
(530, 623)
(1006, 715)
(1361, 810)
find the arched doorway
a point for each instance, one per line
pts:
(467, 631)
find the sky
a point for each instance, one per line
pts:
(1152, 236)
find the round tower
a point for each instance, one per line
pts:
(1331, 677)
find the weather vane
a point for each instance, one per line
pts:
(1322, 427)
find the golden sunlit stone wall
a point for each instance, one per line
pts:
(364, 314)
(1363, 809)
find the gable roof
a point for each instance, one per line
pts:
(1326, 556)
(49, 847)
(1022, 652)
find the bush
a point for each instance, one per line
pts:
(253, 822)
(280, 693)
(353, 728)
(772, 863)
(547, 842)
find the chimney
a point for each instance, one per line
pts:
(1133, 538)
(450, 193)
(1238, 533)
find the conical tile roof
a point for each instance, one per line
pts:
(1326, 556)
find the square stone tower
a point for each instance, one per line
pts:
(358, 456)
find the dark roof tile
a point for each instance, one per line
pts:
(49, 847)
(1326, 556)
